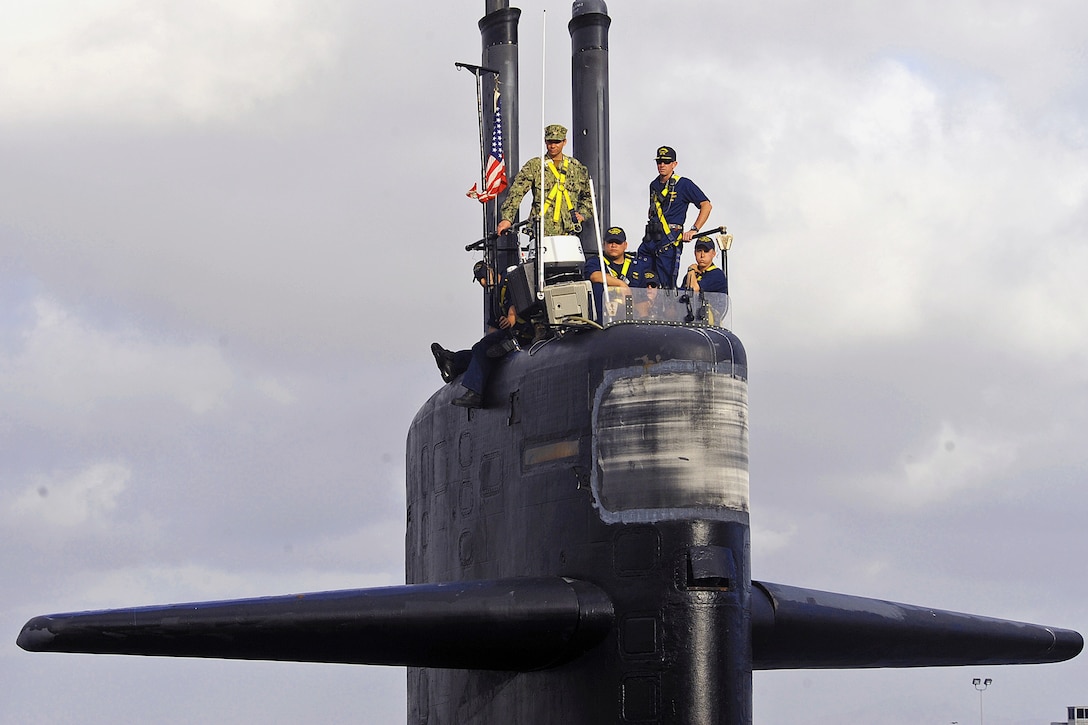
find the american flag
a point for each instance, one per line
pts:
(495, 171)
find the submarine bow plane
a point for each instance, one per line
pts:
(578, 550)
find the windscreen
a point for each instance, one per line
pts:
(649, 304)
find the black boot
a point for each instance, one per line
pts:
(471, 399)
(444, 359)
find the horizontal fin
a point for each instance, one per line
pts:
(506, 624)
(794, 628)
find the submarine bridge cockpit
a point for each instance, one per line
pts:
(571, 301)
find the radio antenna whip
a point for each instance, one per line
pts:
(543, 155)
(600, 251)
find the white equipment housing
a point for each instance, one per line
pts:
(566, 294)
(563, 259)
(568, 299)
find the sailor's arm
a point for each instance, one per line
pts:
(612, 281)
(523, 181)
(583, 205)
(700, 221)
(509, 319)
(691, 281)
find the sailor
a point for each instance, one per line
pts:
(670, 196)
(450, 363)
(624, 270)
(506, 333)
(566, 189)
(704, 276)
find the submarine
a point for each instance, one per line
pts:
(578, 550)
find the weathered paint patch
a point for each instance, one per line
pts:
(670, 441)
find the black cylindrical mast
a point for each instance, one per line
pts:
(589, 100)
(499, 31)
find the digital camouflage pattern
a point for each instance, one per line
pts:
(555, 132)
(577, 185)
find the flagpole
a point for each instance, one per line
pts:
(478, 72)
(543, 155)
(480, 125)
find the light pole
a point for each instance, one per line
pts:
(980, 685)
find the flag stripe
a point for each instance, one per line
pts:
(495, 170)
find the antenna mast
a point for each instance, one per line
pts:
(543, 157)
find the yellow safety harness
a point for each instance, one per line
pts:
(614, 294)
(559, 195)
(622, 274)
(711, 315)
(669, 189)
(699, 275)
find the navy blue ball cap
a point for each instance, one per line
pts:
(615, 233)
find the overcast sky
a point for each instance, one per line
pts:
(230, 230)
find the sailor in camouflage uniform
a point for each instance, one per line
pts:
(566, 189)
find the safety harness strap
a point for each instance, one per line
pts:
(558, 197)
(699, 275)
(670, 185)
(622, 274)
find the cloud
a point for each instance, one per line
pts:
(892, 201)
(152, 62)
(87, 497)
(65, 361)
(273, 389)
(948, 464)
(768, 539)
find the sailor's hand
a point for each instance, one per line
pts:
(693, 268)
(502, 226)
(615, 283)
(689, 234)
(508, 320)
(579, 217)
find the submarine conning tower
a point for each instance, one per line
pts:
(617, 457)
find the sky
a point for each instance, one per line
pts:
(229, 232)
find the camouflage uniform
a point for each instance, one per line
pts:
(576, 185)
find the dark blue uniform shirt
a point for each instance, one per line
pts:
(674, 202)
(712, 280)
